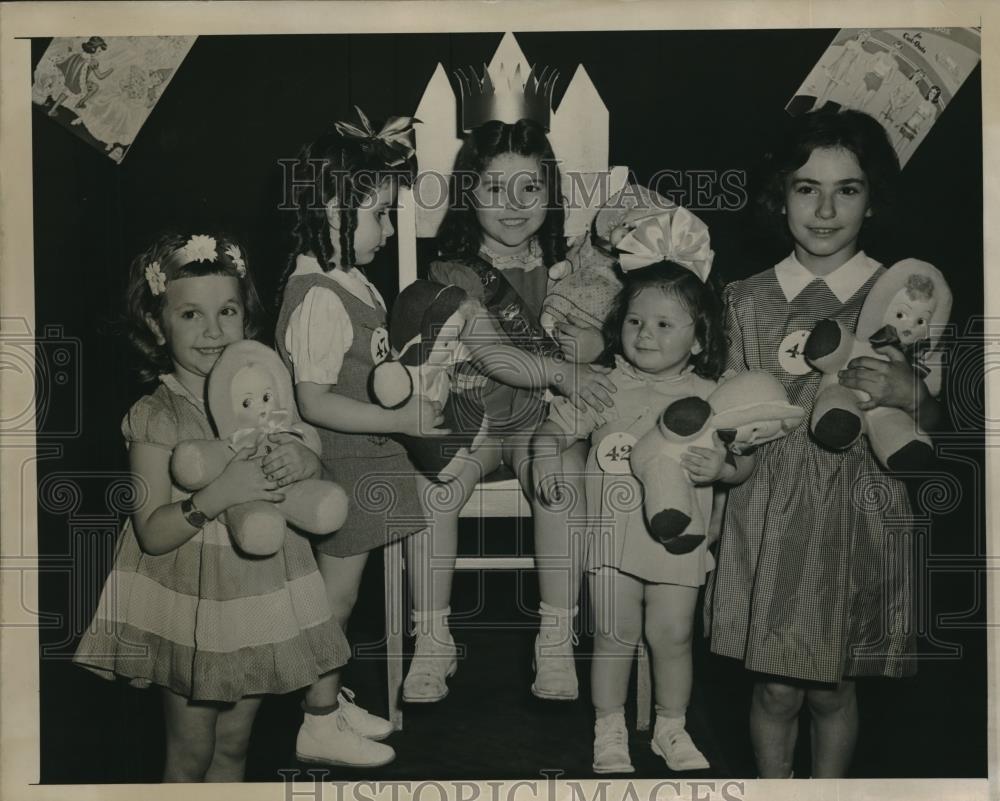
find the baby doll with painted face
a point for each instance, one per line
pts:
(902, 318)
(250, 398)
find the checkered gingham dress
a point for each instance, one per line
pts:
(814, 576)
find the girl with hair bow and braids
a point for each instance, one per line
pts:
(666, 342)
(331, 332)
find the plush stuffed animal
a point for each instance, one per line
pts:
(907, 308)
(745, 411)
(250, 397)
(589, 291)
(425, 334)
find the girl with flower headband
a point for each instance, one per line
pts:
(501, 236)
(183, 608)
(666, 342)
(813, 587)
(331, 332)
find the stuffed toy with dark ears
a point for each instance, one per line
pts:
(426, 326)
(743, 412)
(906, 308)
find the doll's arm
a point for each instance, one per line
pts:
(160, 526)
(197, 462)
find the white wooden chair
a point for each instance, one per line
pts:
(490, 499)
(580, 134)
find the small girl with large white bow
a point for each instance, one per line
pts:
(666, 339)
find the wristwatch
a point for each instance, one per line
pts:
(193, 514)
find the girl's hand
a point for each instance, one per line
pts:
(420, 417)
(548, 475)
(580, 341)
(705, 465)
(243, 480)
(589, 385)
(289, 460)
(890, 383)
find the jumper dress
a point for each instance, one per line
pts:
(373, 469)
(204, 620)
(814, 578)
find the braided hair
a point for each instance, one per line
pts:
(336, 168)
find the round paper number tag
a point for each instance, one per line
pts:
(614, 451)
(792, 353)
(380, 345)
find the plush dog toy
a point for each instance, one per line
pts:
(425, 334)
(906, 308)
(745, 411)
(250, 397)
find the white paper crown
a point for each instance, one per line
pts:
(504, 94)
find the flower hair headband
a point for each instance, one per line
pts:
(675, 235)
(394, 144)
(198, 248)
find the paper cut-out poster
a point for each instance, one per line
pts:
(904, 77)
(104, 88)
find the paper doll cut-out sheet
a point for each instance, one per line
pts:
(103, 89)
(904, 77)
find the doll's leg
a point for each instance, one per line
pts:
(669, 624)
(616, 599)
(190, 737)
(430, 561)
(334, 730)
(774, 727)
(232, 736)
(834, 729)
(559, 542)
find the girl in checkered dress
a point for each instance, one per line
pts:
(813, 584)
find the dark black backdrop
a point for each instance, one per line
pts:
(208, 158)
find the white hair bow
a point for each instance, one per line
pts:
(675, 235)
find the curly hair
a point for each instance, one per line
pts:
(339, 168)
(460, 235)
(851, 130)
(701, 300)
(141, 304)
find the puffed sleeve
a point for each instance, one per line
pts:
(736, 358)
(452, 272)
(319, 334)
(151, 422)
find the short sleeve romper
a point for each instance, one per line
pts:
(617, 534)
(373, 469)
(203, 620)
(813, 579)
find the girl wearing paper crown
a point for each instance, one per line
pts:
(331, 332)
(665, 338)
(813, 586)
(503, 232)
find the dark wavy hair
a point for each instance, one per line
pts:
(140, 300)
(338, 168)
(701, 300)
(460, 235)
(851, 130)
